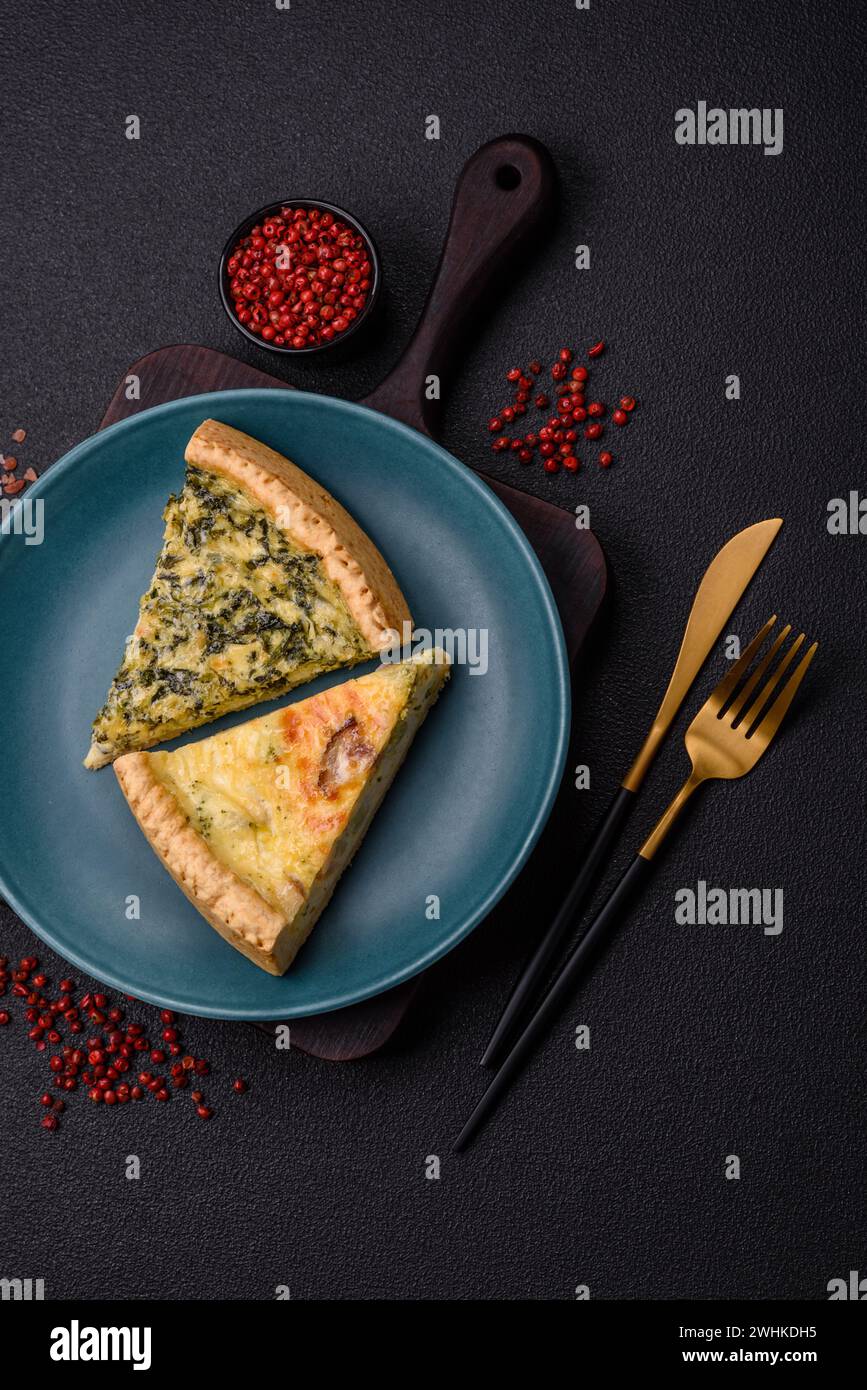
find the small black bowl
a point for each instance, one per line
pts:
(255, 219)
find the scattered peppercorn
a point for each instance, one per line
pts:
(554, 440)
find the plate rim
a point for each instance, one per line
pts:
(467, 476)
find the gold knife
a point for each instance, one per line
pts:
(725, 581)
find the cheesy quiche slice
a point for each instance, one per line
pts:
(257, 824)
(263, 582)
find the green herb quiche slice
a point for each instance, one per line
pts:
(263, 582)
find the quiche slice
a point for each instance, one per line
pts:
(257, 824)
(263, 582)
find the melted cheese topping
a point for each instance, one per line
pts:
(236, 613)
(273, 795)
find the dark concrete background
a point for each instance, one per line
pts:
(603, 1168)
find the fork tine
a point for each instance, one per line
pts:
(728, 683)
(772, 720)
(770, 685)
(737, 705)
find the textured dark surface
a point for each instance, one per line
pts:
(604, 1168)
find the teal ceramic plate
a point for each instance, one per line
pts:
(463, 812)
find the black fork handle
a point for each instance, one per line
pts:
(609, 917)
(533, 973)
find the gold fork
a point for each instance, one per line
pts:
(724, 741)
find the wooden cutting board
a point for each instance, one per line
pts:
(505, 194)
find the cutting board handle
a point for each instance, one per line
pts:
(506, 191)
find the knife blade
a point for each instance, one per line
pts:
(724, 582)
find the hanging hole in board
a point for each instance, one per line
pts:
(507, 177)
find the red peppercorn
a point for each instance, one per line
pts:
(565, 354)
(580, 374)
(542, 401)
(571, 463)
(593, 432)
(46, 1099)
(552, 466)
(564, 405)
(513, 374)
(204, 1112)
(620, 417)
(596, 350)
(197, 1096)
(596, 408)
(558, 371)
(579, 414)
(239, 1086)
(495, 425)
(509, 414)
(170, 1035)
(56, 1064)
(628, 402)
(50, 1122)
(606, 459)
(525, 455)
(547, 449)
(500, 444)
(293, 279)
(4, 1018)
(95, 1094)
(535, 367)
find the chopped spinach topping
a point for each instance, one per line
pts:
(235, 613)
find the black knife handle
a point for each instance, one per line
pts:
(537, 963)
(560, 992)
